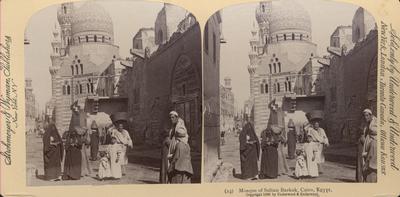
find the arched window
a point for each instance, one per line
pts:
(72, 69)
(56, 50)
(262, 88)
(91, 87)
(76, 69)
(274, 88)
(102, 39)
(290, 86)
(292, 36)
(87, 88)
(286, 86)
(81, 69)
(87, 38)
(266, 39)
(68, 89)
(263, 8)
(279, 67)
(270, 68)
(301, 36)
(277, 38)
(279, 87)
(65, 9)
(284, 36)
(80, 89)
(274, 67)
(266, 88)
(64, 90)
(79, 39)
(95, 38)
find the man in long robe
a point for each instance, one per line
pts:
(249, 152)
(181, 169)
(320, 139)
(53, 151)
(177, 124)
(367, 156)
(122, 137)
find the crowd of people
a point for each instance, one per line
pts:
(305, 146)
(79, 145)
(309, 156)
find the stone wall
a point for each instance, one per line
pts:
(161, 83)
(211, 68)
(349, 84)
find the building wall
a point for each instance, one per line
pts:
(154, 89)
(227, 111)
(30, 106)
(350, 86)
(211, 67)
(167, 22)
(292, 55)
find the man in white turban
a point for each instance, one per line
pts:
(169, 144)
(366, 166)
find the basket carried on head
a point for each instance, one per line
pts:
(119, 116)
(317, 115)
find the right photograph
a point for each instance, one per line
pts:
(290, 93)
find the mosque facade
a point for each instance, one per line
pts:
(83, 53)
(280, 47)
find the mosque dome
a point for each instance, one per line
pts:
(283, 15)
(91, 17)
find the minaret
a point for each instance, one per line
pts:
(55, 65)
(263, 12)
(55, 45)
(253, 56)
(64, 16)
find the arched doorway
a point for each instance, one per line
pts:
(186, 98)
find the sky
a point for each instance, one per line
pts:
(237, 22)
(127, 16)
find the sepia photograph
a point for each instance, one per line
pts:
(290, 93)
(113, 94)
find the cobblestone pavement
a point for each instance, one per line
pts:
(230, 170)
(137, 171)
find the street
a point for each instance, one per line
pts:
(138, 171)
(230, 170)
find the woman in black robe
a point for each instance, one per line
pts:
(269, 156)
(73, 146)
(249, 152)
(73, 156)
(291, 139)
(94, 141)
(52, 153)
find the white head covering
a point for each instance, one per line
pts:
(367, 111)
(173, 113)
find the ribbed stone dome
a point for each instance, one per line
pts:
(91, 17)
(283, 15)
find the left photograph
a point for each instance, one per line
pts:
(113, 94)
